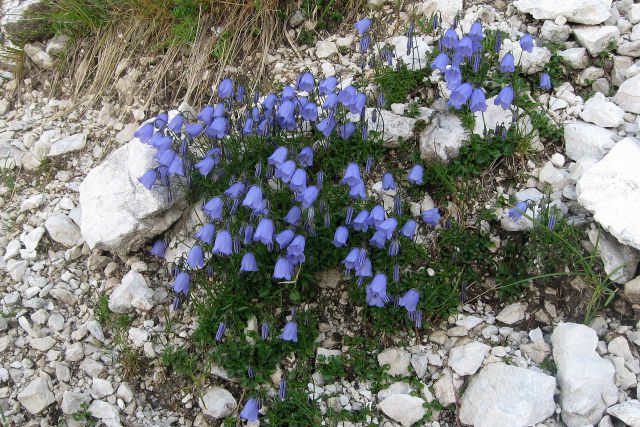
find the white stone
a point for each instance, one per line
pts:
(32, 202)
(325, 49)
(36, 396)
(506, 396)
(557, 160)
(585, 140)
(597, 39)
(467, 359)
(38, 55)
(420, 364)
(469, 322)
(124, 392)
(624, 378)
(417, 58)
(106, 412)
(63, 230)
(442, 139)
(68, 145)
(513, 313)
(586, 380)
(445, 389)
(32, 239)
(399, 387)
(619, 346)
(590, 12)
(557, 178)
(393, 127)
(138, 336)
(101, 388)
(217, 403)
(16, 269)
(72, 402)
(555, 33)
(575, 57)
(398, 360)
(629, 49)
(403, 408)
(609, 189)
(132, 294)
(620, 261)
(628, 95)
(599, 111)
(530, 62)
(118, 213)
(447, 8)
(56, 44)
(628, 412)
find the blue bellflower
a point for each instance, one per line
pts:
(545, 81)
(290, 332)
(195, 258)
(409, 300)
(516, 212)
(159, 248)
(416, 175)
(363, 26)
(264, 232)
(507, 63)
(526, 43)
(225, 89)
(223, 244)
(460, 96)
(181, 283)
(340, 236)
(478, 101)
(376, 291)
(440, 62)
(504, 98)
(431, 217)
(250, 411)
(409, 228)
(283, 269)
(249, 262)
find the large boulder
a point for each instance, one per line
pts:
(118, 213)
(586, 380)
(586, 140)
(609, 189)
(590, 12)
(508, 396)
(628, 95)
(599, 111)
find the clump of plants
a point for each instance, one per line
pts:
(294, 183)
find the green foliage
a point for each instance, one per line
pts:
(186, 15)
(180, 360)
(85, 416)
(399, 83)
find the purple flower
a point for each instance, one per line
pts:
(460, 96)
(498, 44)
(181, 283)
(327, 85)
(264, 232)
(225, 89)
(478, 101)
(327, 125)
(416, 175)
(516, 212)
(144, 132)
(213, 208)
(293, 216)
(376, 216)
(253, 199)
(351, 261)
(309, 112)
(247, 233)
(363, 26)
(149, 178)
(206, 114)
(308, 196)
(194, 129)
(387, 182)
(450, 39)
(377, 291)
(223, 244)
(378, 240)
(357, 190)
(465, 47)
(453, 77)
(298, 180)
(206, 233)
(340, 236)
(235, 190)
(551, 224)
(161, 120)
(247, 129)
(526, 43)
(440, 62)
(240, 93)
(158, 249)
(249, 262)
(476, 30)
(195, 259)
(176, 166)
(409, 300)
(278, 157)
(330, 102)
(409, 228)
(394, 247)
(504, 98)
(545, 81)
(282, 391)
(283, 269)
(306, 82)
(507, 64)
(217, 128)
(388, 226)
(351, 175)
(220, 332)
(175, 125)
(431, 216)
(305, 158)
(251, 409)
(295, 250)
(264, 330)
(347, 130)
(360, 223)
(284, 238)
(290, 332)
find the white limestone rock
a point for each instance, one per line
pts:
(118, 213)
(586, 380)
(620, 261)
(598, 38)
(68, 145)
(628, 412)
(599, 111)
(72, 402)
(63, 230)
(447, 8)
(132, 293)
(609, 189)
(628, 95)
(505, 396)
(467, 359)
(393, 127)
(511, 314)
(590, 12)
(575, 57)
(398, 360)
(217, 403)
(585, 140)
(36, 396)
(531, 63)
(38, 55)
(441, 140)
(403, 408)
(326, 49)
(105, 412)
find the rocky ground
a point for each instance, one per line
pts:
(74, 264)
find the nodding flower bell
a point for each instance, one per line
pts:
(409, 228)
(235, 190)
(507, 63)
(144, 132)
(264, 232)
(387, 182)
(298, 180)
(253, 199)
(460, 96)
(249, 262)
(431, 217)
(450, 39)
(409, 300)
(159, 248)
(278, 157)
(361, 221)
(340, 236)
(453, 77)
(465, 47)
(545, 81)
(478, 101)
(351, 175)
(293, 216)
(476, 30)
(295, 250)
(516, 212)
(213, 208)
(264, 330)
(376, 216)
(526, 43)
(251, 410)
(284, 238)
(440, 62)
(206, 233)
(306, 82)
(504, 98)
(195, 259)
(290, 332)
(223, 244)
(225, 89)
(376, 291)
(327, 85)
(220, 332)
(308, 196)
(416, 175)
(181, 283)
(149, 178)
(283, 269)
(305, 157)
(363, 26)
